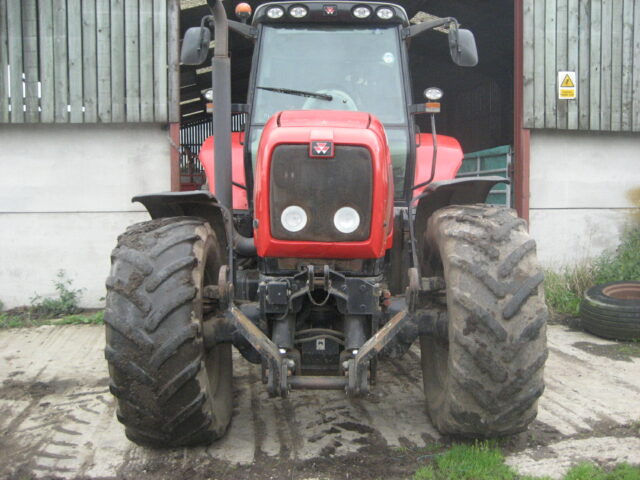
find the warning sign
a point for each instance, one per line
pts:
(567, 86)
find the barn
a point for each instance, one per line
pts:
(95, 108)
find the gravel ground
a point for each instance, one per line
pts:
(57, 418)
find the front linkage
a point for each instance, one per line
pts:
(358, 298)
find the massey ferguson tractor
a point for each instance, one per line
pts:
(332, 234)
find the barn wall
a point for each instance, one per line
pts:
(585, 189)
(88, 61)
(65, 194)
(597, 39)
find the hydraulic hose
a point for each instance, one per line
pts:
(243, 245)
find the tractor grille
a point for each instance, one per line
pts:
(321, 186)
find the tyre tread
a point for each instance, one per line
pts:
(154, 350)
(497, 322)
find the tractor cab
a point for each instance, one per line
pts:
(345, 57)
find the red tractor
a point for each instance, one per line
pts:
(333, 234)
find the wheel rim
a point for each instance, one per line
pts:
(212, 363)
(214, 358)
(436, 355)
(623, 291)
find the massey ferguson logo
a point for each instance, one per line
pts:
(330, 10)
(321, 149)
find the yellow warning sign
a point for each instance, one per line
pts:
(567, 85)
(567, 82)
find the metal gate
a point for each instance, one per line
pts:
(494, 161)
(192, 135)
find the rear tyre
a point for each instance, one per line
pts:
(485, 378)
(170, 391)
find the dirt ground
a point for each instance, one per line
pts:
(57, 418)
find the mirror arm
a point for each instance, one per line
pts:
(204, 23)
(419, 28)
(434, 158)
(247, 31)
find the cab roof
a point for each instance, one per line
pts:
(329, 13)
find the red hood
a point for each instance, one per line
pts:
(329, 118)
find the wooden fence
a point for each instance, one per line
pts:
(88, 61)
(597, 39)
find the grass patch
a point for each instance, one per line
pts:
(480, 461)
(484, 461)
(564, 289)
(22, 319)
(80, 319)
(588, 471)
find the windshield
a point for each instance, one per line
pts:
(346, 68)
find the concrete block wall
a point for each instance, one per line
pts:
(65, 196)
(585, 188)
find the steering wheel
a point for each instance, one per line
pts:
(341, 101)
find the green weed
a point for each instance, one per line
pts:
(624, 263)
(10, 321)
(564, 289)
(65, 304)
(61, 310)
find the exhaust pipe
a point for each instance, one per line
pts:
(221, 86)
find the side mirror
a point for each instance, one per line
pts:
(462, 45)
(195, 46)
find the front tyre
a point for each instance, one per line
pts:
(485, 378)
(170, 390)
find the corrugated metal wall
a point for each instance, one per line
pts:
(600, 41)
(88, 61)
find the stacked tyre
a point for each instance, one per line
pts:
(612, 310)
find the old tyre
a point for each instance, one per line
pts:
(170, 390)
(486, 377)
(612, 310)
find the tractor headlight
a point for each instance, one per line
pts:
(293, 218)
(298, 11)
(361, 11)
(346, 220)
(275, 12)
(384, 13)
(208, 95)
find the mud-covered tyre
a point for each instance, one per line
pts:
(485, 378)
(612, 310)
(170, 391)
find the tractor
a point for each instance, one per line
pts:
(332, 233)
